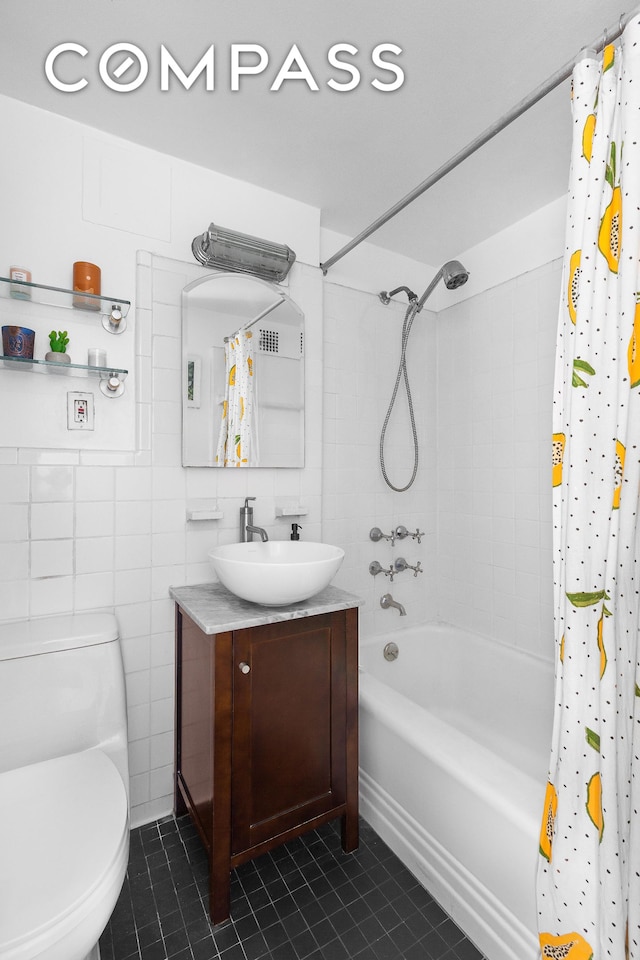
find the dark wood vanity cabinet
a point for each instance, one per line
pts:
(266, 736)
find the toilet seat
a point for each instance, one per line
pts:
(64, 837)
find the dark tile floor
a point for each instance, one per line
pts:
(305, 900)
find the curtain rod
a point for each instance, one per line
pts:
(610, 34)
(261, 316)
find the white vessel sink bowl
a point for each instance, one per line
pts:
(276, 572)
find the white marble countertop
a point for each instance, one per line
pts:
(215, 610)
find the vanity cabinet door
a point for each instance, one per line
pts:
(289, 726)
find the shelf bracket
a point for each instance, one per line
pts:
(112, 386)
(114, 321)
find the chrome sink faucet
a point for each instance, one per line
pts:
(247, 529)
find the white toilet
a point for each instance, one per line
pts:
(64, 785)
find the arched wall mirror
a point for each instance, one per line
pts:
(231, 317)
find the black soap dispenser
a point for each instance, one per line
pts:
(294, 531)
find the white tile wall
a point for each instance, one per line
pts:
(481, 374)
(362, 353)
(495, 375)
(49, 558)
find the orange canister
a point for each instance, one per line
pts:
(86, 279)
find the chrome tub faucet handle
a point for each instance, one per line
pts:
(401, 564)
(376, 534)
(375, 567)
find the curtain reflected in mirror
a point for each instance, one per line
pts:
(242, 374)
(238, 442)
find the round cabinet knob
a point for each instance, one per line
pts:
(244, 667)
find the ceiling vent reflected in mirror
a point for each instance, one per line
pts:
(225, 249)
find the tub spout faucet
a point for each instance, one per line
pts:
(247, 529)
(387, 601)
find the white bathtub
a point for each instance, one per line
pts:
(454, 751)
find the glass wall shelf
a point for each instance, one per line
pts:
(75, 369)
(112, 310)
(111, 378)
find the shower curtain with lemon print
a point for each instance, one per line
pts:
(589, 863)
(235, 440)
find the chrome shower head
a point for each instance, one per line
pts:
(454, 274)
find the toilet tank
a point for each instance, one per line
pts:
(62, 690)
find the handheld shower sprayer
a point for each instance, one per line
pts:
(453, 274)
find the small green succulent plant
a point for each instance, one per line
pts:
(58, 341)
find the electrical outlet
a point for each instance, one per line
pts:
(80, 411)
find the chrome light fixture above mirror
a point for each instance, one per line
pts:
(241, 253)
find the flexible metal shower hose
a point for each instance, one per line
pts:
(402, 372)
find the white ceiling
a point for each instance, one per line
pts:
(354, 154)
